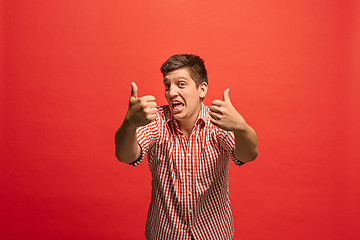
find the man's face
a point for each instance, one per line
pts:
(182, 95)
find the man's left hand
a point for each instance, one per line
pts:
(224, 115)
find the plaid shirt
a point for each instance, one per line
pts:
(190, 185)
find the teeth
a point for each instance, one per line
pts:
(177, 105)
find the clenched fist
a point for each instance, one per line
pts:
(224, 115)
(141, 110)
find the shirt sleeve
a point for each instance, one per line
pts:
(227, 141)
(145, 136)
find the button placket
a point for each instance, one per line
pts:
(189, 164)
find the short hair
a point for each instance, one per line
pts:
(194, 63)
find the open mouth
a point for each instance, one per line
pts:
(177, 106)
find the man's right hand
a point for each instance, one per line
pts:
(141, 110)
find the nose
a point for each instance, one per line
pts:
(172, 91)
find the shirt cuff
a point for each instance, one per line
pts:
(139, 160)
(234, 159)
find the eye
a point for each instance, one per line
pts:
(182, 84)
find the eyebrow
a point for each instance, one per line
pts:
(176, 78)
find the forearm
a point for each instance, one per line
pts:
(127, 148)
(245, 148)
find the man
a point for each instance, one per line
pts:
(188, 146)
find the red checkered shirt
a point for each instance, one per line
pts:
(190, 180)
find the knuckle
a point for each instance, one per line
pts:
(149, 117)
(143, 104)
(133, 101)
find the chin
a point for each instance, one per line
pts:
(179, 116)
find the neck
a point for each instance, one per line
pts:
(186, 125)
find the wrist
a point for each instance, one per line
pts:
(241, 128)
(128, 124)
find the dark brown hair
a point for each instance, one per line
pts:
(194, 63)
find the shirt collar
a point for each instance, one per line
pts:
(202, 118)
(203, 114)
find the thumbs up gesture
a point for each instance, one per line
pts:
(142, 110)
(225, 116)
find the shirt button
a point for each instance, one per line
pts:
(190, 211)
(189, 193)
(188, 173)
(188, 154)
(191, 226)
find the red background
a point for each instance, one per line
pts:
(66, 68)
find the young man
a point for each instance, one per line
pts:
(188, 146)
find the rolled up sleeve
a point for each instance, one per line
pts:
(145, 135)
(227, 141)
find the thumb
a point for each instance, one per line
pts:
(226, 95)
(134, 90)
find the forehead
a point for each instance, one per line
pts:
(181, 73)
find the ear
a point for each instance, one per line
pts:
(203, 87)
